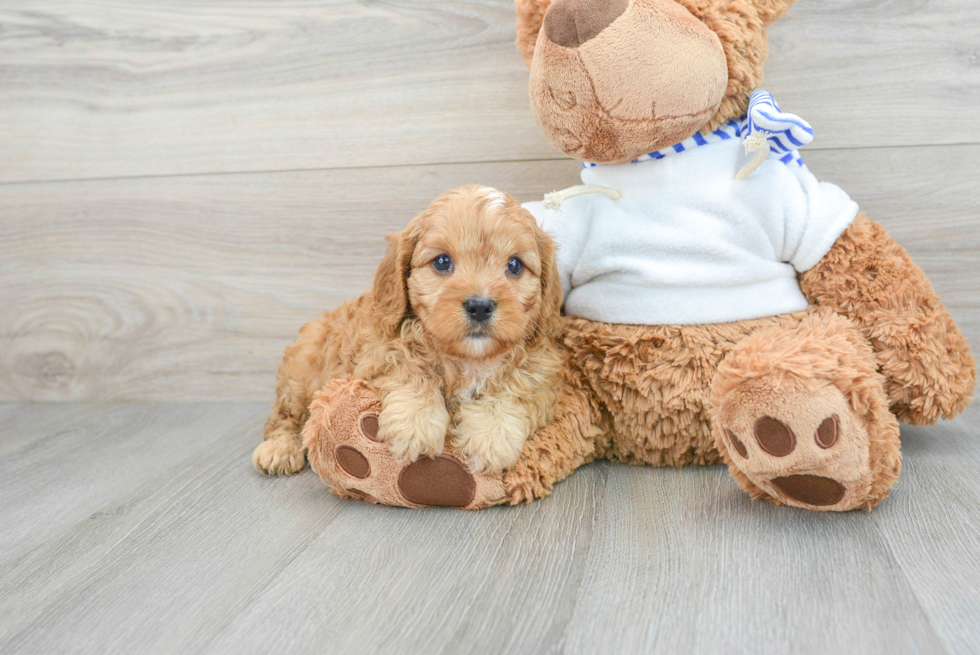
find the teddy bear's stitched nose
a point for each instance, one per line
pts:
(570, 23)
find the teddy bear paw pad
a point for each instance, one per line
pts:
(809, 450)
(810, 489)
(442, 481)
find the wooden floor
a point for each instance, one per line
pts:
(184, 183)
(141, 527)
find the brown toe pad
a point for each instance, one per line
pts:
(352, 461)
(774, 436)
(369, 426)
(439, 482)
(810, 489)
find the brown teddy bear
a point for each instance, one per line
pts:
(720, 307)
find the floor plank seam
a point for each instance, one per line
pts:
(508, 529)
(327, 169)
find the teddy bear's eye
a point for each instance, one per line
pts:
(515, 266)
(443, 263)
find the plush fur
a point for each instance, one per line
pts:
(929, 370)
(599, 103)
(804, 407)
(821, 369)
(488, 386)
(590, 125)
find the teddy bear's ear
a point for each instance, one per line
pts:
(741, 26)
(530, 16)
(770, 10)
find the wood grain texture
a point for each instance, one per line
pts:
(109, 88)
(190, 287)
(713, 571)
(80, 457)
(939, 555)
(203, 555)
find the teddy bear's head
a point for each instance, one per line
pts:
(615, 79)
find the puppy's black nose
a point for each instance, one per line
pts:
(479, 309)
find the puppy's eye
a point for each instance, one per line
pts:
(515, 266)
(443, 263)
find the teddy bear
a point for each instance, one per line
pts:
(721, 305)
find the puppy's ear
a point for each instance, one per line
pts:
(551, 293)
(391, 281)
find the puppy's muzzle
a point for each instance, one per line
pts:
(479, 310)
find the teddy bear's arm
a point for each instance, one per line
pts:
(869, 278)
(574, 437)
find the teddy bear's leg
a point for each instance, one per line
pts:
(866, 276)
(575, 436)
(654, 383)
(343, 448)
(800, 415)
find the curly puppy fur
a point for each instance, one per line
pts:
(578, 434)
(487, 386)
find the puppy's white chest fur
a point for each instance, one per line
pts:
(489, 427)
(477, 375)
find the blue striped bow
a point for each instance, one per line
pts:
(785, 132)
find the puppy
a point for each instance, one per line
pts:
(457, 338)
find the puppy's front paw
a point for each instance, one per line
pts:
(490, 442)
(412, 427)
(275, 457)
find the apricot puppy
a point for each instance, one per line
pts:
(456, 337)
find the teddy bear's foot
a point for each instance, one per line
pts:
(802, 446)
(343, 448)
(801, 417)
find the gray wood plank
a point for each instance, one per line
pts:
(121, 88)
(190, 287)
(205, 555)
(930, 525)
(689, 564)
(438, 581)
(165, 566)
(849, 68)
(22, 424)
(88, 458)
